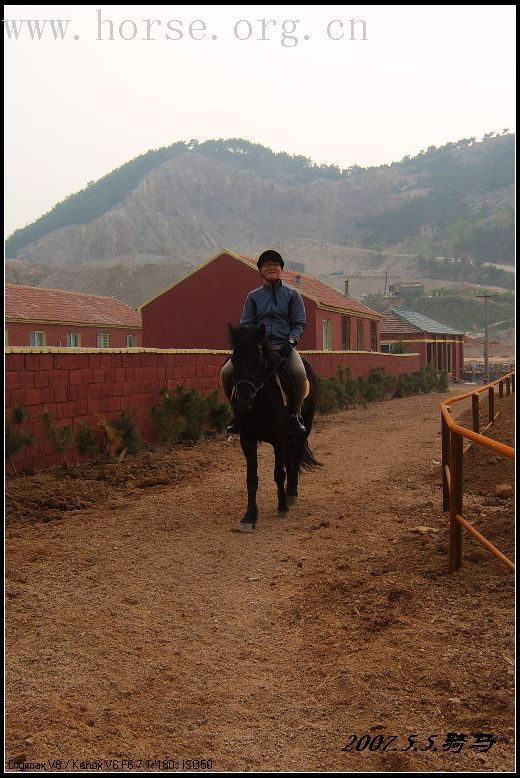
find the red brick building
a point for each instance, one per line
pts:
(55, 317)
(194, 312)
(438, 344)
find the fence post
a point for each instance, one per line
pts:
(508, 387)
(476, 412)
(501, 389)
(445, 463)
(491, 404)
(456, 474)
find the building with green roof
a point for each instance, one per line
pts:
(439, 344)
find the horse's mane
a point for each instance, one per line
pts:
(243, 335)
(246, 336)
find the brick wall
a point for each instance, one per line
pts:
(81, 386)
(361, 363)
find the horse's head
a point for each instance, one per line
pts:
(248, 362)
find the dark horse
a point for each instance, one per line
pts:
(259, 407)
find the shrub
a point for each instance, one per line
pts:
(127, 431)
(15, 439)
(61, 438)
(424, 380)
(380, 384)
(218, 413)
(341, 391)
(338, 392)
(186, 415)
(107, 438)
(442, 385)
(84, 439)
(165, 418)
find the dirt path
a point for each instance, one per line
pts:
(142, 626)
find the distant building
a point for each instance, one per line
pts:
(56, 317)
(430, 231)
(299, 267)
(194, 312)
(438, 344)
(406, 289)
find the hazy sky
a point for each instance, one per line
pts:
(122, 81)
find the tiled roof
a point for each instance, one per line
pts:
(400, 321)
(319, 291)
(58, 305)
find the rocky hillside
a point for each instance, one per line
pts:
(192, 205)
(142, 227)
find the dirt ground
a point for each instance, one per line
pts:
(144, 632)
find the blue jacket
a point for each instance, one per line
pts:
(279, 308)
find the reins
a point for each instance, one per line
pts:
(258, 388)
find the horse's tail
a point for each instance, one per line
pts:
(301, 456)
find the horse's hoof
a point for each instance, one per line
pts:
(283, 514)
(245, 526)
(291, 499)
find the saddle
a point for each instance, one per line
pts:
(285, 381)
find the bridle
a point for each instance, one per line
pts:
(254, 386)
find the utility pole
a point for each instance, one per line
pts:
(486, 297)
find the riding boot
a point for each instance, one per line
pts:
(296, 424)
(233, 428)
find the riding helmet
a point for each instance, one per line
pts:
(270, 256)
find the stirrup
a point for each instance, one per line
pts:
(233, 427)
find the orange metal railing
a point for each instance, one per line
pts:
(452, 463)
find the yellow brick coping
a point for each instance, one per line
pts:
(138, 350)
(134, 350)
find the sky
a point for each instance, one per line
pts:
(339, 84)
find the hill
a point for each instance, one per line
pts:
(141, 227)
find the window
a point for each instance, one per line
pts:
(102, 340)
(345, 333)
(326, 334)
(73, 340)
(373, 336)
(130, 341)
(386, 348)
(37, 339)
(360, 335)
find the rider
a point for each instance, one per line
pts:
(281, 310)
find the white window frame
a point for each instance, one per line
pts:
(76, 336)
(326, 335)
(132, 344)
(33, 338)
(102, 340)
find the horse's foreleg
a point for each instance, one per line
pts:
(292, 480)
(280, 454)
(249, 447)
(294, 455)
